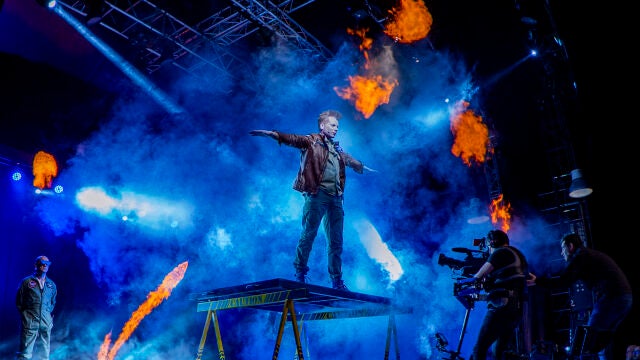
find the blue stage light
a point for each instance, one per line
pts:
(48, 3)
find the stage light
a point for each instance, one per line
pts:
(48, 3)
(477, 213)
(58, 189)
(578, 188)
(43, 192)
(16, 176)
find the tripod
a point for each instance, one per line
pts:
(442, 342)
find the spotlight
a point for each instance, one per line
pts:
(533, 52)
(578, 188)
(476, 213)
(360, 14)
(47, 3)
(16, 176)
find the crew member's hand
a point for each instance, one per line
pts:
(531, 279)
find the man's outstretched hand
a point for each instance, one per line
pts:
(266, 133)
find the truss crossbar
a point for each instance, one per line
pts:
(275, 19)
(159, 38)
(228, 25)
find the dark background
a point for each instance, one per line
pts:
(57, 91)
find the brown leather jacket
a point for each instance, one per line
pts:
(313, 160)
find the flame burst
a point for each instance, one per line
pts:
(373, 88)
(411, 22)
(154, 299)
(104, 348)
(45, 169)
(367, 93)
(365, 44)
(501, 212)
(471, 135)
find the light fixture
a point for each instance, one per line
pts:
(47, 3)
(476, 213)
(578, 188)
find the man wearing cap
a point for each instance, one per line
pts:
(35, 300)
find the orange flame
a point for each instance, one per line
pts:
(367, 92)
(411, 22)
(104, 348)
(500, 212)
(471, 135)
(154, 299)
(366, 42)
(45, 169)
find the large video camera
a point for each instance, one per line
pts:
(467, 289)
(472, 262)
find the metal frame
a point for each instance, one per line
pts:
(311, 301)
(158, 38)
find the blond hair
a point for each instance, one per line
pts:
(325, 115)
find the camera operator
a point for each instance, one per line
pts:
(504, 276)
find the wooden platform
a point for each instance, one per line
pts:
(295, 301)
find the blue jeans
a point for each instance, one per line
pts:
(606, 316)
(328, 209)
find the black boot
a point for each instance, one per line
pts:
(338, 284)
(301, 277)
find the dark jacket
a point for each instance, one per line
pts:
(313, 160)
(598, 271)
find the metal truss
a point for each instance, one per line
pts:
(491, 171)
(276, 19)
(158, 38)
